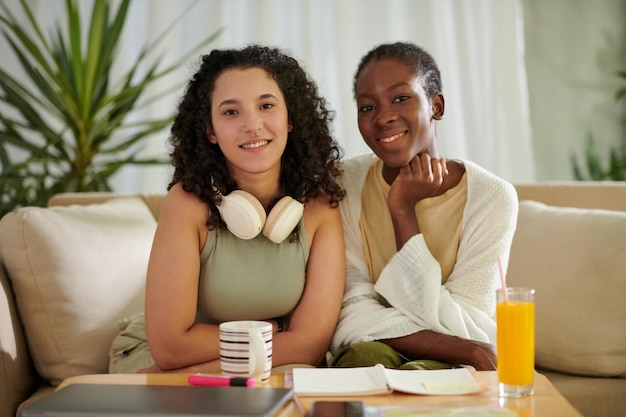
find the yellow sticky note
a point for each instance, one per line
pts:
(449, 387)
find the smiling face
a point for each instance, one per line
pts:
(250, 121)
(395, 116)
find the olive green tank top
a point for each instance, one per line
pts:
(252, 279)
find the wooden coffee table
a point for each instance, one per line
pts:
(546, 401)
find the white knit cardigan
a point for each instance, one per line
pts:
(411, 281)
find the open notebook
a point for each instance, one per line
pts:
(378, 380)
(99, 400)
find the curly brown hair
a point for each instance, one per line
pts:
(310, 164)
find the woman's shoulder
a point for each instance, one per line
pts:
(485, 188)
(481, 177)
(181, 203)
(319, 211)
(354, 171)
(320, 205)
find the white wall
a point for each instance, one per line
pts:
(543, 112)
(478, 46)
(573, 49)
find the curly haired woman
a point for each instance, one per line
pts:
(251, 125)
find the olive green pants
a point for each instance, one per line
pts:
(130, 351)
(372, 353)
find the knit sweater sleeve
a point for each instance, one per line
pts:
(363, 317)
(465, 305)
(411, 281)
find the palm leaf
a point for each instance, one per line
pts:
(69, 117)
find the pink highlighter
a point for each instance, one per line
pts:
(220, 381)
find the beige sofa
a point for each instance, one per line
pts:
(70, 274)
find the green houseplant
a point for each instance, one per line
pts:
(66, 128)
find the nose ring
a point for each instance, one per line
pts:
(255, 132)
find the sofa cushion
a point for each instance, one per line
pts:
(576, 261)
(76, 271)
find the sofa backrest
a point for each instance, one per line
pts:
(570, 247)
(582, 194)
(606, 195)
(153, 201)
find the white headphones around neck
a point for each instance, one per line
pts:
(245, 216)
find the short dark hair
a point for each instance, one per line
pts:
(413, 56)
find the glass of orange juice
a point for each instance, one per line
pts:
(515, 342)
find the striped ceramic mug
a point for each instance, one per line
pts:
(246, 349)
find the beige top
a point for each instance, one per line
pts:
(439, 220)
(252, 279)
